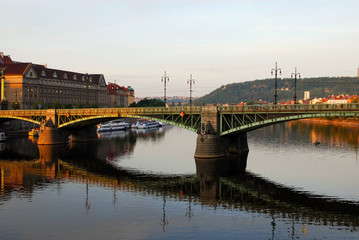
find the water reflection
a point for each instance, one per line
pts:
(219, 183)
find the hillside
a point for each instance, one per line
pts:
(251, 91)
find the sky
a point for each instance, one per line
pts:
(133, 42)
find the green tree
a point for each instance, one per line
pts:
(15, 105)
(148, 103)
(80, 105)
(68, 106)
(57, 105)
(37, 105)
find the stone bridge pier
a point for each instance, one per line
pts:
(210, 144)
(50, 134)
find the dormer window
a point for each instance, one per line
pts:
(83, 78)
(43, 73)
(90, 79)
(65, 76)
(75, 77)
(54, 75)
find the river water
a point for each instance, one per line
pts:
(301, 182)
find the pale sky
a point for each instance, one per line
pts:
(217, 41)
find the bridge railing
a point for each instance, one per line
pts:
(134, 111)
(291, 108)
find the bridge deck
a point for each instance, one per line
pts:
(231, 118)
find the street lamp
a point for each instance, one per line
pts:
(275, 71)
(2, 76)
(165, 79)
(295, 74)
(190, 81)
(87, 90)
(30, 90)
(58, 91)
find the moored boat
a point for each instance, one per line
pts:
(148, 124)
(115, 125)
(34, 132)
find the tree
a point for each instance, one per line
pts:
(93, 106)
(37, 105)
(80, 105)
(57, 105)
(148, 103)
(68, 106)
(15, 105)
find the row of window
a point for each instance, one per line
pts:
(65, 76)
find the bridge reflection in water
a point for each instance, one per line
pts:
(218, 183)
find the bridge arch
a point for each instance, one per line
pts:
(10, 118)
(272, 121)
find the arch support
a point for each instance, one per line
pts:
(49, 133)
(210, 144)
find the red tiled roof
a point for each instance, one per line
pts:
(5, 59)
(15, 68)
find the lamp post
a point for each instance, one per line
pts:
(58, 91)
(190, 81)
(295, 75)
(87, 90)
(30, 90)
(4, 102)
(275, 72)
(2, 76)
(165, 79)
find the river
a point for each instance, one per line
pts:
(301, 182)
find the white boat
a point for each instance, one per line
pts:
(148, 124)
(115, 125)
(2, 136)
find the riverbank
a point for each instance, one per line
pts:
(336, 121)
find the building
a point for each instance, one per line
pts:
(130, 95)
(36, 86)
(118, 96)
(342, 99)
(306, 95)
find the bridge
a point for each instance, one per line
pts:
(221, 129)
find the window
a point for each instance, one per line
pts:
(75, 77)
(65, 76)
(54, 75)
(43, 73)
(83, 78)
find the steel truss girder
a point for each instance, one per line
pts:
(230, 121)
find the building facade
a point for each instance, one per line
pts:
(36, 86)
(118, 96)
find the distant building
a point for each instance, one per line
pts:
(342, 99)
(316, 101)
(303, 101)
(36, 86)
(118, 96)
(306, 95)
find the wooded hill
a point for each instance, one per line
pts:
(252, 91)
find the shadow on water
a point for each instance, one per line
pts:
(218, 182)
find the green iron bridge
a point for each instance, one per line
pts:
(216, 126)
(231, 119)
